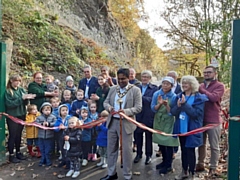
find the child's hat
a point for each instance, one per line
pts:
(84, 108)
(69, 78)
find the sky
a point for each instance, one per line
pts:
(153, 8)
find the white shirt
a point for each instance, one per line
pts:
(87, 88)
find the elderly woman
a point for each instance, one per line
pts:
(188, 109)
(145, 117)
(164, 121)
(15, 100)
(39, 88)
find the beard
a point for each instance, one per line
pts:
(209, 79)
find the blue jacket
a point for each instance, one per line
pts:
(195, 113)
(77, 104)
(146, 116)
(87, 133)
(55, 112)
(102, 135)
(59, 118)
(93, 85)
(68, 103)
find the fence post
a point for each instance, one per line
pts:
(234, 126)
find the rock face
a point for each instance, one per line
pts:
(93, 19)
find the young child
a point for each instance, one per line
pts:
(72, 137)
(86, 135)
(78, 103)
(70, 86)
(45, 137)
(102, 141)
(62, 122)
(32, 131)
(93, 115)
(50, 83)
(55, 101)
(66, 99)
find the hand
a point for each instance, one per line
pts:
(110, 109)
(120, 111)
(61, 126)
(183, 99)
(99, 124)
(28, 96)
(94, 97)
(80, 122)
(165, 102)
(201, 89)
(160, 100)
(77, 111)
(55, 93)
(109, 80)
(66, 138)
(45, 123)
(179, 102)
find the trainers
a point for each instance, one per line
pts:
(85, 162)
(104, 165)
(200, 168)
(69, 173)
(182, 175)
(75, 174)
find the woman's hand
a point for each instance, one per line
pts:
(165, 102)
(28, 96)
(160, 100)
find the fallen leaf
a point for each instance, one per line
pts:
(54, 173)
(136, 173)
(34, 176)
(13, 173)
(60, 176)
(19, 168)
(30, 164)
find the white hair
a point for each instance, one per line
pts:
(173, 72)
(148, 72)
(87, 67)
(192, 81)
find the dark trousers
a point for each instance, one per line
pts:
(74, 163)
(187, 155)
(167, 154)
(86, 148)
(148, 143)
(45, 146)
(32, 141)
(93, 148)
(15, 134)
(55, 144)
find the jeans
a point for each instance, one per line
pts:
(45, 146)
(32, 141)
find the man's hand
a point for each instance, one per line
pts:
(66, 138)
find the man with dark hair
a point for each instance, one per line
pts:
(131, 99)
(214, 90)
(89, 84)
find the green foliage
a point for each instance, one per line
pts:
(40, 43)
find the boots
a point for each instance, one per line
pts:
(94, 157)
(38, 154)
(90, 156)
(101, 162)
(104, 163)
(30, 151)
(13, 159)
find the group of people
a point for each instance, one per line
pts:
(172, 108)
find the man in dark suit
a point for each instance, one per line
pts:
(89, 84)
(131, 105)
(145, 117)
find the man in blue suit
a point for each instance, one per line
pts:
(145, 117)
(89, 84)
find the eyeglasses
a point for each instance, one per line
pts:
(38, 77)
(86, 71)
(207, 72)
(145, 76)
(103, 70)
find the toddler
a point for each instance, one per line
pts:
(66, 99)
(72, 137)
(78, 103)
(32, 131)
(45, 137)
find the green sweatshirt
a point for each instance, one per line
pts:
(14, 104)
(39, 90)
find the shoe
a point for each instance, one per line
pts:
(174, 156)
(200, 168)
(101, 162)
(159, 166)
(107, 177)
(148, 160)
(94, 157)
(76, 174)
(69, 173)
(182, 175)
(13, 159)
(165, 170)
(191, 177)
(137, 159)
(105, 165)
(38, 154)
(212, 173)
(85, 162)
(30, 151)
(20, 156)
(89, 157)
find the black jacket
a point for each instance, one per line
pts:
(75, 137)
